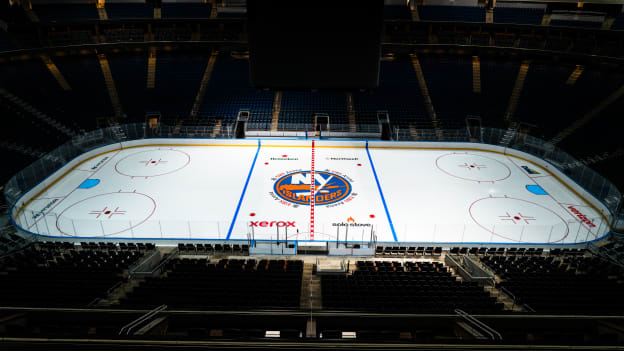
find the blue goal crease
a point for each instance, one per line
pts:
(240, 201)
(383, 200)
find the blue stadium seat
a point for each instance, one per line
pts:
(520, 15)
(129, 11)
(397, 12)
(186, 10)
(451, 13)
(65, 12)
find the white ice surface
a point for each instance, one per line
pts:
(195, 192)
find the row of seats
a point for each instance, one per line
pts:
(231, 284)
(407, 251)
(61, 277)
(119, 11)
(572, 285)
(416, 287)
(511, 251)
(209, 249)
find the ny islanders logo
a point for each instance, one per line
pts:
(329, 187)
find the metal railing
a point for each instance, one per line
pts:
(493, 334)
(128, 328)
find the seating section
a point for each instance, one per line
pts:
(5, 41)
(47, 95)
(573, 23)
(229, 92)
(398, 93)
(61, 274)
(230, 284)
(397, 12)
(300, 108)
(20, 120)
(412, 287)
(449, 81)
(130, 75)
(185, 10)
(579, 285)
(66, 12)
(451, 13)
(546, 94)
(618, 24)
(129, 10)
(519, 15)
(88, 97)
(497, 81)
(408, 251)
(216, 249)
(177, 81)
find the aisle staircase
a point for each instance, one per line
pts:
(351, 113)
(55, 72)
(35, 113)
(118, 132)
(489, 16)
(110, 86)
(101, 10)
(510, 134)
(476, 75)
(425, 93)
(201, 92)
(151, 69)
(589, 115)
(277, 106)
(546, 19)
(310, 289)
(216, 129)
(517, 91)
(574, 76)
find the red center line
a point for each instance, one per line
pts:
(312, 186)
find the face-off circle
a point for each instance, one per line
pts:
(152, 163)
(106, 214)
(518, 220)
(473, 167)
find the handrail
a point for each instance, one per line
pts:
(173, 254)
(494, 335)
(126, 329)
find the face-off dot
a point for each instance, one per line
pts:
(359, 165)
(107, 212)
(372, 216)
(266, 163)
(252, 214)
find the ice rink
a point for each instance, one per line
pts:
(311, 190)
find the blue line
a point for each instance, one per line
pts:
(240, 202)
(383, 200)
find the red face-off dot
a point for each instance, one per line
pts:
(252, 214)
(266, 163)
(471, 166)
(284, 155)
(359, 164)
(372, 216)
(517, 218)
(107, 212)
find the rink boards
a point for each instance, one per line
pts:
(304, 190)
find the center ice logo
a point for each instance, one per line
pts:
(329, 188)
